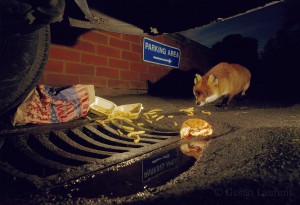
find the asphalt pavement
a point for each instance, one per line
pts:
(254, 157)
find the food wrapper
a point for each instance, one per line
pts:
(103, 107)
(129, 111)
(46, 105)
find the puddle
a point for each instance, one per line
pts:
(135, 177)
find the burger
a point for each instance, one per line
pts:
(195, 127)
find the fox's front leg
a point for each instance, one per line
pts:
(226, 101)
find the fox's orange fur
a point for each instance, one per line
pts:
(224, 79)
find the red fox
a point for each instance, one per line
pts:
(224, 79)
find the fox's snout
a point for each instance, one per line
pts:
(200, 103)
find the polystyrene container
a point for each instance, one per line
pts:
(102, 107)
(130, 111)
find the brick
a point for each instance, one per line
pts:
(126, 55)
(171, 42)
(85, 46)
(108, 51)
(61, 53)
(54, 66)
(80, 69)
(117, 35)
(160, 38)
(117, 83)
(140, 67)
(61, 80)
(96, 81)
(137, 85)
(115, 63)
(107, 72)
(132, 38)
(136, 48)
(119, 43)
(93, 59)
(95, 37)
(129, 75)
(158, 69)
(147, 76)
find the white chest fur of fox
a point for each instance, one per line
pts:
(224, 79)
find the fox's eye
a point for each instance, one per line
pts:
(197, 92)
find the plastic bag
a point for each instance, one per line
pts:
(45, 104)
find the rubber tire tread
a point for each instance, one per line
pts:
(22, 62)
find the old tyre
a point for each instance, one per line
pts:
(24, 46)
(22, 61)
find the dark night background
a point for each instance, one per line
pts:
(269, 48)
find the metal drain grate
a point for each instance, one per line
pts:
(42, 159)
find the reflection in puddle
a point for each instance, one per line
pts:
(147, 173)
(193, 148)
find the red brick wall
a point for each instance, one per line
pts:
(113, 62)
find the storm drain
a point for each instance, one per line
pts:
(52, 159)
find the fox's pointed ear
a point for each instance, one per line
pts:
(212, 79)
(198, 79)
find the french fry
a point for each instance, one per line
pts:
(206, 112)
(149, 121)
(188, 111)
(154, 116)
(175, 124)
(146, 115)
(122, 118)
(155, 110)
(100, 122)
(88, 118)
(170, 116)
(137, 139)
(127, 128)
(120, 132)
(140, 124)
(135, 133)
(159, 118)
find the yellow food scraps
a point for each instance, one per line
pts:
(146, 115)
(135, 135)
(127, 128)
(189, 111)
(175, 124)
(121, 118)
(119, 132)
(159, 118)
(206, 112)
(155, 110)
(100, 122)
(88, 118)
(170, 116)
(154, 116)
(149, 121)
(140, 124)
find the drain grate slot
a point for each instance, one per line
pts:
(50, 159)
(83, 139)
(23, 158)
(111, 139)
(61, 140)
(42, 150)
(62, 153)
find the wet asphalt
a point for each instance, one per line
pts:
(254, 158)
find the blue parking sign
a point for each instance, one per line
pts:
(159, 53)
